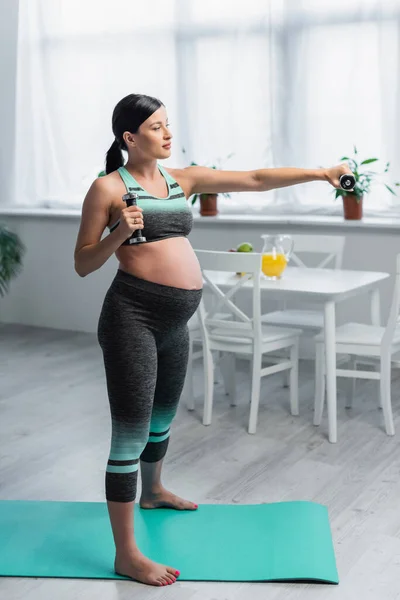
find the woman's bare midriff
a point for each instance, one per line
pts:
(170, 262)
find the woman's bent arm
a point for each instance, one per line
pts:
(92, 257)
(91, 252)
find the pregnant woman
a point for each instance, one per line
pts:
(142, 328)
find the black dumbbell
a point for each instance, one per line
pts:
(131, 200)
(347, 182)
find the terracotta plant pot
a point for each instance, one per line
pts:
(208, 205)
(352, 207)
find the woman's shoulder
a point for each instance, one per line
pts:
(106, 191)
(174, 172)
(108, 182)
(182, 177)
(110, 188)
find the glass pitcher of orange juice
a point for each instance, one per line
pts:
(276, 252)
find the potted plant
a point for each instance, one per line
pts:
(11, 253)
(208, 202)
(353, 200)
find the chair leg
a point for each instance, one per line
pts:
(232, 378)
(255, 393)
(251, 363)
(218, 358)
(294, 378)
(385, 392)
(286, 379)
(319, 400)
(208, 387)
(351, 385)
(188, 391)
(228, 370)
(380, 406)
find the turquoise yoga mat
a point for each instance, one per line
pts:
(261, 542)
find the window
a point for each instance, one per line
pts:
(276, 83)
(76, 61)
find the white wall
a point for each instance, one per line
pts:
(49, 293)
(8, 75)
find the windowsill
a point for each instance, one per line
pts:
(8, 211)
(301, 221)
(308, 220)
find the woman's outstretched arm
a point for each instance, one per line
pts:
(212, 181)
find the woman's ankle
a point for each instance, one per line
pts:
(127, 549)
(154, 490)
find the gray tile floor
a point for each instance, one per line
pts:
(54, 436)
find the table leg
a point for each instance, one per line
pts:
(330, 358)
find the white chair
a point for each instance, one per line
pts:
(329, 250)
(241, 334)
(224, 362)
(358, 339)
(194, 337)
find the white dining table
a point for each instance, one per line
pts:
(326, 287)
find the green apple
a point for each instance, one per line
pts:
(245, 247)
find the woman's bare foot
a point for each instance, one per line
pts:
(135, 565)
(162, 498)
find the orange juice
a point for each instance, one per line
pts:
(273, 265)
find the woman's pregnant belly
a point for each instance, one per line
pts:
(170, 262)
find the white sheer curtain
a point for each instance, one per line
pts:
(76, 61)
(278, 83)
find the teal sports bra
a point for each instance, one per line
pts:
(163, 217)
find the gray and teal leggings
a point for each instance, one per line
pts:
(144, 337)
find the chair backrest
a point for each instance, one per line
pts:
(322, 251)
(393, 322)
(328, 249)
(219, 271)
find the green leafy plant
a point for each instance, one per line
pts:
(364, 176)
(11, 253)
(218, 166)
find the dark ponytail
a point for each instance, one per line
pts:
(128, 115)
(114, 158)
